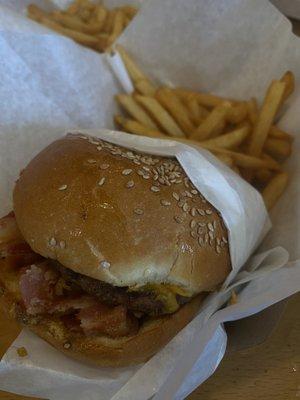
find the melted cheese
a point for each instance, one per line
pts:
(166, 294)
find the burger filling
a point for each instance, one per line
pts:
(44, 287)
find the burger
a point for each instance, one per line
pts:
(108, 252)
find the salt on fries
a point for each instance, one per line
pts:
(242, 134)
(89, 24)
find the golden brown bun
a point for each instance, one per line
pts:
(99, 210)
(104, 351)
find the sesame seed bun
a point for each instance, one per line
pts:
(119, 216)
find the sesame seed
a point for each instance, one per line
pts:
(129, 184)
(208, 212)
(161, 180)
(203, 200)
(194, 191)
(224, 239)
(104, 166)
(105, 264)
(175, 195)
(62, 244)
(63, 187)
(130, 154)
(136, 162)
(90, 161)
(140, 172)
(146, 169)
(218, 241)
(200, 241)
(181, 203)
(210, 226)
(211, 242)
(193, 211)
(155, 189)
(99, 148)
(178, 219)
(52, 241)
(193, 234)
(138, 211)
(146, 176)
(201, 212)
(193, 223)
(200, 231)
(186, 207)
(188, 194)
(206, 237)
(215, 224)
(155, 177)
(126, 171)
(101, 182)
(67, 345)
(177, 181)
(186, 182)
(201, 224)
(165, 202)
(218, 249)
(211, 234)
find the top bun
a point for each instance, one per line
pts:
(120, 216)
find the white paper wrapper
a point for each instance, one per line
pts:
(50, 85)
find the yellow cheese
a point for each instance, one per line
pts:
(165, 293)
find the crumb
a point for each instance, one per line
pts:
(67, 345)
(233, 298)
(22, 352)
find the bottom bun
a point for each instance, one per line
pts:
(104, 351)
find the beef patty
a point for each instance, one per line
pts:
(139, 302)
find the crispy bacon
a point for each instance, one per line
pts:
(37, 285)
(110, 321)
(44, 290)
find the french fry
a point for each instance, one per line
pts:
(100, 15)
(274, 189)
(263, 176)
(278, 133)
(75, 23)
(249, 162)
(109, 21)
(197, 113)
(229, 140)
(79, 37)
(278, 148)
(161, 116)
(118, 26)
(102, 41)
(252, 110)
(212, 122)
(266, 117)
(132, 126)
(204, 99)
(129, 11)
(225, 159)
(135, 110)
(133, 70)
(168, 99)
(237, 113)
(289, 80)
(144, 86)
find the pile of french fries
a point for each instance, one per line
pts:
(240, 133)
(89, 24)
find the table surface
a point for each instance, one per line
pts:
(269, 371)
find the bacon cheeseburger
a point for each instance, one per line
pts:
(109, 252)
